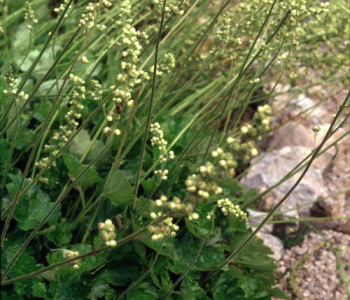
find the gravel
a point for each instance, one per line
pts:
(318, 268)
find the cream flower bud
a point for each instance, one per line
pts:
(107, 130)
(254, 152)
(202, 169)
(222, 163)
(84, 60)
(244, 129)
(230, 140)
(205, 195)
(112, 243)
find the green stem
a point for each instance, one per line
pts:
(314, 155)
(82, 256)
(32, 67)
(148, 122)
(143, 276)
(189, 267)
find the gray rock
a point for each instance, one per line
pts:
(256, 217)
(293, 134)
(269, 168)
(274, 243)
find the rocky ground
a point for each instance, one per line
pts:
(317, 264)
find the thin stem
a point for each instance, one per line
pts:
(314, 155)
(143, 276)
(148, 122)
(32, 153)
(32, 67)
(82, 256)
(183, 275)
(51, 211)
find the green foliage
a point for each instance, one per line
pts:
(75, 168)
(33, 206)
(153, 157)
(117, 189)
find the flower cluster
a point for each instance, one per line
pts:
(131, 41)
(107, 233)
(158, 140)
(174, 206)
(59, 10)
(130, 74)
(167, 65)
(125, 13)
(71, 254)
(166, 227)
(243, 147)
(202, 186)
(172, 6)
(223, 163)
(223, 34)
(97, 92)
(228, 208)
(75, 102)
(29, 15)
(88, 19)
(10, 82)
(61, 137)
(163, 228)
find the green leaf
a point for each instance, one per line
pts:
(24, 265)
(147, 206)
(82, 142)
(61, 236)
(168, 248)
(79, 144)
(39, 289)
(117, 189)
(187, 249)
(137, 294)
(201, 227)
(85, 265)
(42, 110)
(89, 178)
(49, 86)
(44, 63)
(277, 293)
(4, 152)
(250, 257)
(4, 296)
(118, 275)
(32, 207)
(149, 185)
(190, 290)
(98, 291)
(68, 285)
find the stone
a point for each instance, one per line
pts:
(313, 264)
(268, 169)
(274, 243)
(255, 218)
(293, 134)
(337, 179)
(300, 152)
(317, 114)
